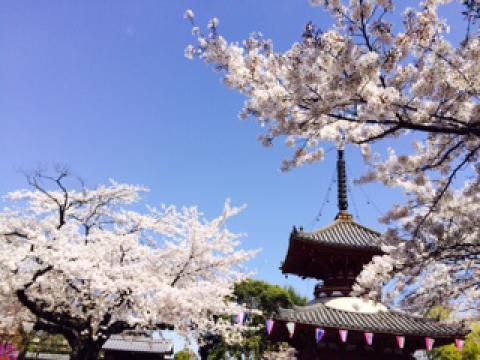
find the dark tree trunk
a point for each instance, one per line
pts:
(86, 349)
(22, 355)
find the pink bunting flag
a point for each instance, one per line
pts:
(291, 328)
(429, 343)
(269, 324)
(319, 334)
(369, 338)
(343, 335)
(401, 342)
(459, 343)
(240, 318)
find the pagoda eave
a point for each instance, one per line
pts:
(305, 258)
(384, 346)
(385, 325)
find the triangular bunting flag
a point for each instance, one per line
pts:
(401, 342)
(291, 328)
(240, 318)
(319, 334)
(459, 344)
(269, 324)
(429, 343)
(369, 338)
(343, 335)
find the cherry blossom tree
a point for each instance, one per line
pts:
(81, 263)
(381, 74)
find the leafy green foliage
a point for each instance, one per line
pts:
(268, 298)
(46, 343)
(35, 342)
(471, 349)
(439, 313)
(185, 354)
(258, 295)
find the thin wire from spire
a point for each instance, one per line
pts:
(368, 199)
(354, 203)
(326, 200)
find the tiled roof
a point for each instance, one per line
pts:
(388, 322)
(46, 356)
(343, 233)
(138, 344)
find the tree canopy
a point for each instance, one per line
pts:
(471, 350)
(264, 299)
(379, 73)
(185, 354)
(81, 263)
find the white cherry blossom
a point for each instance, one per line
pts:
(82, 263)
(367, 79)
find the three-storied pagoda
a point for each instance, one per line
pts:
(334, 325)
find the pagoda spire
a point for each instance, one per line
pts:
(342, 186)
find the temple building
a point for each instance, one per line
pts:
(133, 345)
(137, 347)
(334, 325)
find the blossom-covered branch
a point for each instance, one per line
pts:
(365, 81)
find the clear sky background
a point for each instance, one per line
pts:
(103, 87)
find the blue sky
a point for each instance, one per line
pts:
(104, 88)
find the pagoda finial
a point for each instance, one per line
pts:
(342, 186)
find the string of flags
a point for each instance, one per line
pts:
(369, 336)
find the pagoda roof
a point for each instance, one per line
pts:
(317, 254)
(384, 322)
(343, 233)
